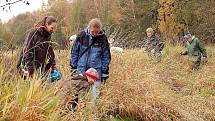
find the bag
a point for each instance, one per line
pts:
(55, 75)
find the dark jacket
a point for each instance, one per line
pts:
(97, 56)
(37, 50)
(153, 43)
(72, 89)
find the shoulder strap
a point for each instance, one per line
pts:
(86, 49)
(81, 35)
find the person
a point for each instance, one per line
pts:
(74, 88)
(153, 45)
(91, 50)
(195, 50)
(38, 49)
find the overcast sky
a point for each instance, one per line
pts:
(19, 7)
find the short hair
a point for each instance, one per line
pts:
(95, 23)
(149, 29)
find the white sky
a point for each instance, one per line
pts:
(19, 7)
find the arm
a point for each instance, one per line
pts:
(106, 56)
(159, 45)
(202, 49)
(185, 52)
(52, 55)
(51, 58)
(75, 53)
(29, 51)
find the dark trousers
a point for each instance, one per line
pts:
(196, 64)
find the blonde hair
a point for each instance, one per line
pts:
(149, 29)
(95, 23)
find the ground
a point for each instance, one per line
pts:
(138, 89)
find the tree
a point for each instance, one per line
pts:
(19, 26)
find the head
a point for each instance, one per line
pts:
(92, 75)
(49, 23)
(149, 32)
(188, 37)
(95, 26)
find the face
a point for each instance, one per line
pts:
(94, 31)
(149, 34)
(189, 39)
(50, 28)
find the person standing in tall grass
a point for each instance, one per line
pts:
(91, 50)
(37, 54)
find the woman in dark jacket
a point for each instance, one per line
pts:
(37, 52)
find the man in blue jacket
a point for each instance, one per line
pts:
(91, 50)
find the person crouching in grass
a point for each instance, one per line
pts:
(195, 50)
(75, 87)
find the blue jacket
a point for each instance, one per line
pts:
(97, 56)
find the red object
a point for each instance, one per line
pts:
(52, 68)
(91, 76)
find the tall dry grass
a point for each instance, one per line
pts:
(138, 89)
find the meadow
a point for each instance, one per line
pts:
(138, 89)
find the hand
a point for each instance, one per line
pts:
(183, 53)
(91, 81)
(30, 73)
(24, 74)
(204, 60)
(153, 51)
(144, 49)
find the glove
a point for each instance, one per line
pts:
(183, 53)
(204, 60)
(153, 51)
(55, 74)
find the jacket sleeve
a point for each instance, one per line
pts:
(20, 60)
(51, 55)
(51, 58)
(29, 50)
(106, 56)
(202, 49)
(159, 45)
(75, 53)
(144, 43)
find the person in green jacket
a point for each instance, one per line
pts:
(195, 50)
